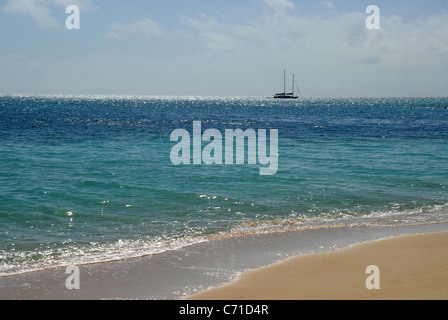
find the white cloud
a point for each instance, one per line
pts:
(37, 9)
(214, 33)
(280, 5)
(146, 28)
(42, 10)
(82, 4)
(328, 4)
(333, 55)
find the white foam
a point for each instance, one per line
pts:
(15, 262)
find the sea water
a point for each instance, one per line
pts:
(86, 179)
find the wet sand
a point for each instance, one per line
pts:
(194, 269)
(410, 268)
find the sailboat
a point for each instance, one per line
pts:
(286, 95)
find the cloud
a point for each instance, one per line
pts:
(280, 5)
(82, 4)
(216, 35)
(331, 55)
(146, 28)
(328, 4)
(37, 9)
(41, 10)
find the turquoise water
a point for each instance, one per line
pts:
(90, 179)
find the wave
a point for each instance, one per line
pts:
(15, 263)
(20, 262)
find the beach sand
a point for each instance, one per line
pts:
(410, 268)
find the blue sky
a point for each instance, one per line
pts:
(224, 48)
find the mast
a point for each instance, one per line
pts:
(284, 80)
(285, 94)
(298, 89)
(293, 81)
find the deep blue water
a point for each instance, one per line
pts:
(85, 179)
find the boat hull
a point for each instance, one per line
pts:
(286, 98)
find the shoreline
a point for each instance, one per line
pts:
(411, 267)
(182, 273)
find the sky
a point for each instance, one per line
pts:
(224, 47)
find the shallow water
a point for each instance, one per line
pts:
(90, 179)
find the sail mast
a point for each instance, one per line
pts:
(298, 89)
(285, 94)
(293, 81)
(284, 80)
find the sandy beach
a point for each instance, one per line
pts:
(411, 267)
(309, 264)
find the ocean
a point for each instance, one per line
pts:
(88, 179)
